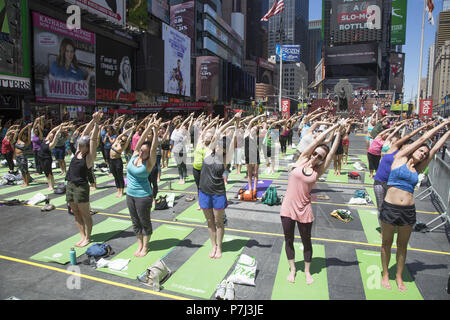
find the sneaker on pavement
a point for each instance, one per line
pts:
(229, 294)
(220, 293)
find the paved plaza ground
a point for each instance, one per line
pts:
(346, 259)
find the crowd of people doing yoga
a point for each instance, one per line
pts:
(395, 155)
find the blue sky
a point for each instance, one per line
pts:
(412, 46)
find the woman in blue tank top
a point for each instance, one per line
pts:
(139, 191)
(384, 169)
(398, 209)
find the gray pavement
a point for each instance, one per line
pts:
(25, 231)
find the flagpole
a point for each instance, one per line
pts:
(421, 58)
(281, 66)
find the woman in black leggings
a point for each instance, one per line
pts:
(115, 160)
(45, 155)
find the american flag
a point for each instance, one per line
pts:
(278, 6)
(430, 8)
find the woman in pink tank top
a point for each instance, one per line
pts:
(296, 207)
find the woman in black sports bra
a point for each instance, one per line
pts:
(115, 160)
(22, 142)
(45, 155)
(77, 190)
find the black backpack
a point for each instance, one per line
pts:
(161, 203)
(60, 188)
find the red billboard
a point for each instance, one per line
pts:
(426, 108)
(285, 108)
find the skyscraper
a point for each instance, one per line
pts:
(314, 45)
(295, 27)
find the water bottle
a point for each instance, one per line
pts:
(73, 256)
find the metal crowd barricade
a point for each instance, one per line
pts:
(439, 178)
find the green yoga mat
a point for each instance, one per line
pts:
(28, 196)
(107, 201)
(371, 194)
(167, 177)
(371, 225)
(10, 189)
(163, 240)
(371, 271)
(299, 290)
(101, 232)
(363, 159)
(263, 175)
(367, 178)
(126, 211)
(61, 200)
(349, 166)
(191, 214)
(343, 178)
(189, 181)
(200, 275)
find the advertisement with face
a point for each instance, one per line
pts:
(397, 71)
(207, 78)
(112, 10)
(177, 61)
(115, 72)
(64, 62)
(14, 47)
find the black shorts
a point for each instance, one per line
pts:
(165, 146)
(398, 215)
(46, 166)
(374, 161)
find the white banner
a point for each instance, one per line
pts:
(112, 10)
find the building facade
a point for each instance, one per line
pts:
(315, 47)
(294, 30)
(441, 76)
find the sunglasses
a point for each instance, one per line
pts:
(318, 155)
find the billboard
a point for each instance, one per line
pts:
(291, 53)
(398, 22)
(356, 21)
(354, 54)
(177, 61)
(160, 9)
(207, 78)
(397, 60)
(112, 10)
(115, 71)
(182, 18)
(426, 108)
(64, 62)
(14, 47)
(319, 72)
(285, 108)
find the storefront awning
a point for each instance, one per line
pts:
(120, 111)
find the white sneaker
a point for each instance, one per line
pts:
(220, 293)
(229, 294)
